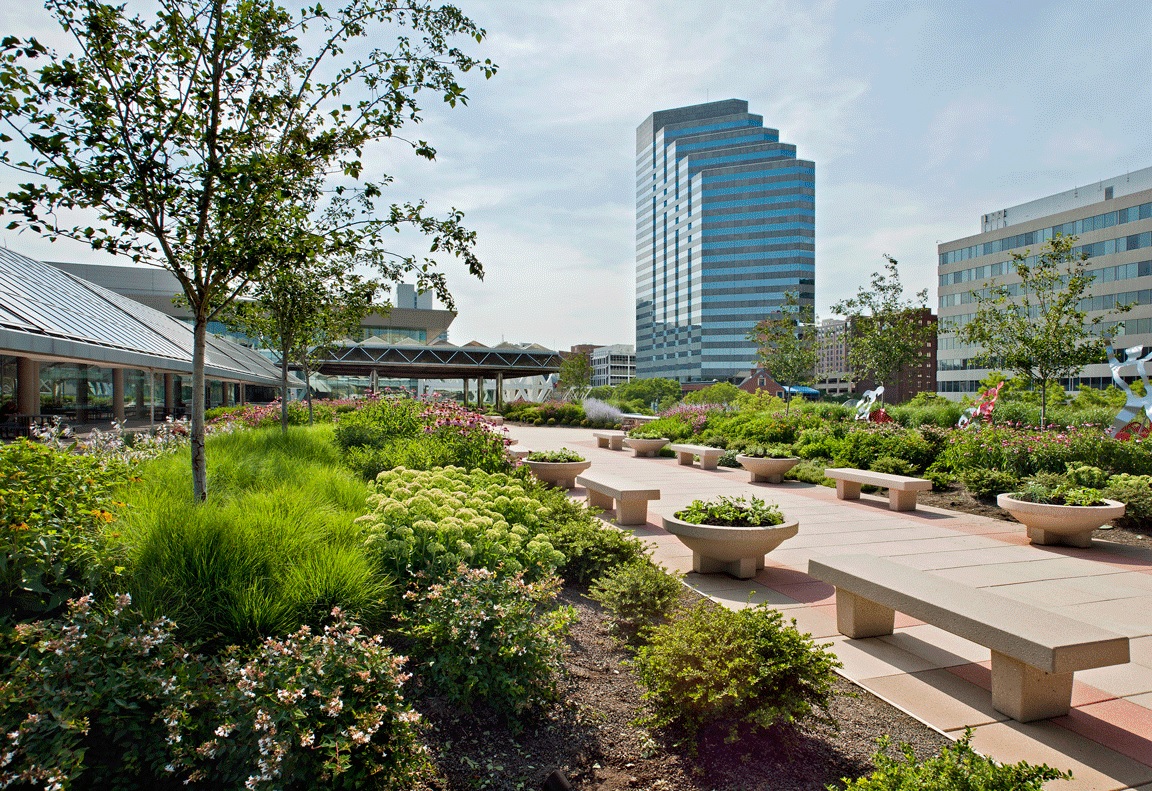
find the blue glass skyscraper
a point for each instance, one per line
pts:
(725, 227)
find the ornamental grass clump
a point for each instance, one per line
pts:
(430, 521)
(484, 637)
(723, 672)
(732, 512)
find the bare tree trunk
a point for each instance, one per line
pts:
(284, 389)
(1043, 405)
(199, 458)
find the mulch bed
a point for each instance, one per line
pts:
(589, 735)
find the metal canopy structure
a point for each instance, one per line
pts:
(439, 361)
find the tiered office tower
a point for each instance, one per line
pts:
(725, 227)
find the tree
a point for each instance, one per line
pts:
(649, 391)
(191, 133)
(576, 372)
(1037, 328)
(786, 345)
(886, 333)
(299, 309)
(719, 393)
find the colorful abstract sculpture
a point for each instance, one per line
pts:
(983, 410)
(1135, 418)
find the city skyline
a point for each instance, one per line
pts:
(922, 120)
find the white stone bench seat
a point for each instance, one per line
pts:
(517, 453)
(709, 456)
(631, 499)
(1034, 651)
(902, 489)
(610, 439)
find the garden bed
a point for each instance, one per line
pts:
(590, 736)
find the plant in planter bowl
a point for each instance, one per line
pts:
(1060, 514)
(730, 534)
(767, 463)
(557, 467)
(646, 441)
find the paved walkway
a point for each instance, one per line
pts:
(941, 679)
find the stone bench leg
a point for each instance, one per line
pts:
(603, 442)
(708, 463)
(599, 500)
(858, 617)
(615, 443)
(1047, 537)
(901, 500)
(1026, 693)
(685, 458)
(631, 512)
(847, 490)
(767, 478)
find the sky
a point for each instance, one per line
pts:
(920, 117)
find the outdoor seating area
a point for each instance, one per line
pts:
(628, 499)
(952, 617)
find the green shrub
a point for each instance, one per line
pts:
(957, 767)
(893, 466)
(304, 711)
(988, 482)
(1087, 475)
(636, 595)
(380, 422)
(590, 548)
(861, 447)
(55, 540)
(551, 421)
(1135, 491)
(716, 667)
(732, 511)
(83, 700)
(479, 636)
(672, 428)
(432, 521)
(809, 472)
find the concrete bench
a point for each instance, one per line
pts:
(610, 439)
(631, 500)
(517, 453)
(708, 455)
(1034, 651)
(901, 488)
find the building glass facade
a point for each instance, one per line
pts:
(725, 227)
(1112, 223)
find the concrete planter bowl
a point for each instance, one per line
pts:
(561, 474)
(738, 551)
(767, 470)
(646, 447)
(1071, 525)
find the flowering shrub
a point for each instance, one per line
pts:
(481, 636)
(431, 521)
(55, 506)
(1023, 452)
(671, 428)
(268, 415)
(304, 711)
(86, 697)
(695, 415)
(601, 411)
(420, 435)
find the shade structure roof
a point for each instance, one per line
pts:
(49, 314)
(438, 360)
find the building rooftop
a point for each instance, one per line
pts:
(1107, 189)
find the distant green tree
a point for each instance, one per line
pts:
(786, 345)
(576, 373)
(649, 391)
(886, 332)
(1037, 328)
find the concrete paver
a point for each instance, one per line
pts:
(937, 677)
